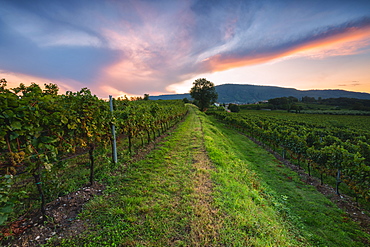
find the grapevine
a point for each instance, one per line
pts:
(40, 127)
(343, 153)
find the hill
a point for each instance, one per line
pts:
(238, 93)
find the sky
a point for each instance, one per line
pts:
(137, 47)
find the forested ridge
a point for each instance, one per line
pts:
(243, 94)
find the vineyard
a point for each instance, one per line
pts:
(39, 129)
(332, 149)
(203, 184)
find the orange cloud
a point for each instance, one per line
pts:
(348, 42)
(115, 92)
(14, 79)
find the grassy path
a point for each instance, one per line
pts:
(163, 200)
(207, 185)
(250, 214)
(311, 217)
(206, 223)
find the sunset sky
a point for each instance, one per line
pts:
(161, 46)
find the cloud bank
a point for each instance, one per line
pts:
(137, 47)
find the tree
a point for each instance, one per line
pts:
(234, 108)
(51, 89)
(204, 93)
(284, 103)
(307, 99)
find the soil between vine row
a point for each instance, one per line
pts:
(29, 230)
(344, 202)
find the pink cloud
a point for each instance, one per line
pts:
(14, 79)
(347, 42)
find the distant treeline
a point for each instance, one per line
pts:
(355, 104)
(352, 103)
(290, 103)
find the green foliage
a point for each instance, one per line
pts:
(146, 118)
(254, 201)
(204, 93)
(39, 127)
(234, 108)
(339, 152)
(309, 216)
(337, 112)
(285, 103)
(6, 201)
(308, 99)
(349, 103)
(151, 203)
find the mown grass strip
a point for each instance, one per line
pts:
(158, 201)
(308, 215)
(206, 222)
(250, 217)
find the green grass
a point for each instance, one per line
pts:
(310, 213)
(69, 175)
(239, 195)
(253, 218)
(151, 203)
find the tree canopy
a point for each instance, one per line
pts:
(234, 108)
(204, 93)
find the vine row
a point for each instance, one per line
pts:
(39, 127)
(339, 152)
